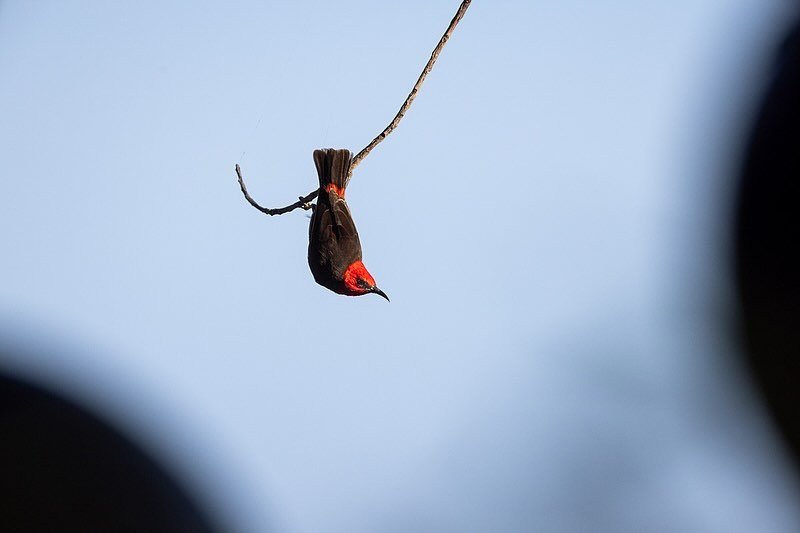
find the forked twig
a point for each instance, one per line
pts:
(304, 201)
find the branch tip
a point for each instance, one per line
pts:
(414, 90)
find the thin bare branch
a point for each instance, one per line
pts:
(304, 202)
(413, 94)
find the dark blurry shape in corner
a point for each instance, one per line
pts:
(767, 242)
(63, 469)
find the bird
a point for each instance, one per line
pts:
(334, 249)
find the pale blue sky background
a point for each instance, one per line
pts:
(547, 220)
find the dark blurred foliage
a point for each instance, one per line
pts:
(767, 237)
(63, 469)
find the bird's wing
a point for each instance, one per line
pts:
(333, 239)
(343, 223)
(332, 221)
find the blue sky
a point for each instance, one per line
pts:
(547, 219)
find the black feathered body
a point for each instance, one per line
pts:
(333, 242)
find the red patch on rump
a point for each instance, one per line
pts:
(338, 191)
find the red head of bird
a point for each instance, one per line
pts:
(357, 281)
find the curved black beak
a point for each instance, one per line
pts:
(376, 290)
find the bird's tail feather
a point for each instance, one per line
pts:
(332, 167)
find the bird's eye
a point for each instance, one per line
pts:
(362, 283)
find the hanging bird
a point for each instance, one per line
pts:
(334, 250)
